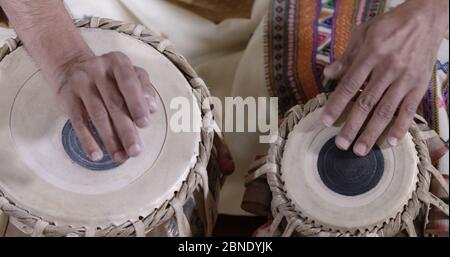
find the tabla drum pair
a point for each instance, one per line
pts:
(48, 187)
(319, 190)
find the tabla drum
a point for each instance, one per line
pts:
(49, 188)
(319, 190)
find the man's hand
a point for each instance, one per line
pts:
(108, 89)
(394, 54)
(115, 95)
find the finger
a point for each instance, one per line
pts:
(124, 126)
(381, 117)
(363, 106)
(346, 89)
(100, 118)
(131, 89)
(336, 69)
(406, 115)
(80, 123)
(149, 91)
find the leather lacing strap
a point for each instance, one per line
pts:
(163, 45)
(184, 228)
(3, 217)
(431, 199)
(208, 123)
(95, 22)
(12, 44)
(263, 170)
(3, 202)
(139, 228)
(291, 227)
(258, 163)
(275, 224)
(425, 135)
(73, 234)
(138, 30)
(420, 119)
(203, 172)
(439, 178)
(197, 83)
(39, 228)
(90, 231)
(409, 224)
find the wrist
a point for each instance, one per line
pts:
(55, 52)
(47, 31)
(429, 15)
(57, 71)
(438, 11)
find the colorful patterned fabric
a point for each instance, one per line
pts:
(436, 97)
(305, 36)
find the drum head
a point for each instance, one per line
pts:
(42, 169)
(340, 191)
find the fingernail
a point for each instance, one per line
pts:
(143, 122)
(96, 156)
(134, 150)
(393, 141)
(327, 120)
(360, 149)
(342, 143)
(151, 103)
(120, 157)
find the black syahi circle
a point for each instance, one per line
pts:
(74, 150)
(348, 174)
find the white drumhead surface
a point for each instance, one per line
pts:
(37, 174)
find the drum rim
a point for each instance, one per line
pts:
(296, 221)
(197, 176)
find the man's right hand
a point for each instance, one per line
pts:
(114, 94)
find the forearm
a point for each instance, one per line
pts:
(48, 34)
